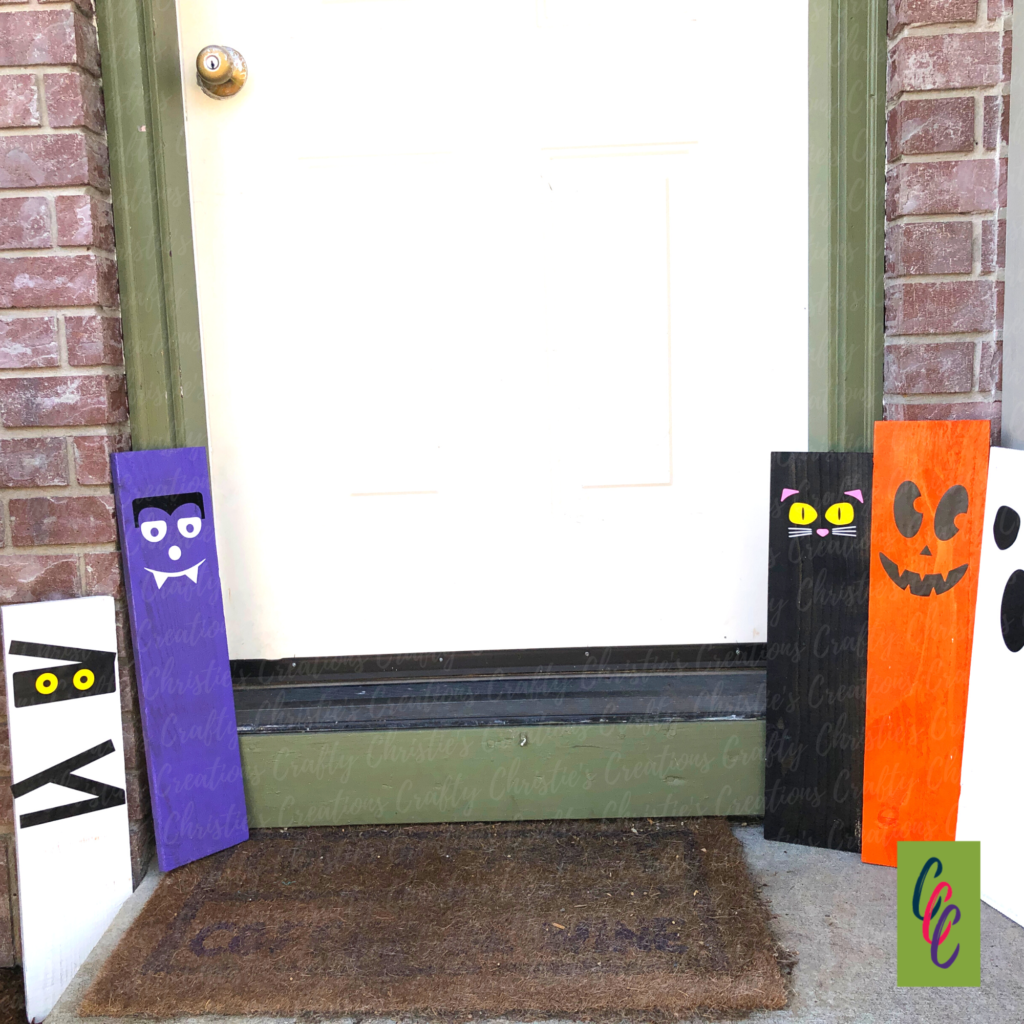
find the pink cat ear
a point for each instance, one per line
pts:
(855, 494)
(786, 492)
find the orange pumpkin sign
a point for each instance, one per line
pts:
(929, 505)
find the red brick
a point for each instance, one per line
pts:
(997, 8)
(929, 12)
(85, 519)
(932, 126)
(990, 372)
(140, 842)
(6, 927)
(92, 456)
(944, 307)
(38, 578)
(991, 122)
(74, 99)
(991, 411)
(28, 342)
(33, 462)
(1000, 303)
(962, 61)
(929, 369)
(1007, 55)
(25, 223)
(85, 280)
(34, 161)
(94, 340)
(19, 101)
(84, 220)
(933, 247)
(137, 795)
(993, 245)
(946, 186)
(63, 401)
(134, 745)
(103, 575)
(48, 37)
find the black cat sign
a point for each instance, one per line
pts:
(67, 766)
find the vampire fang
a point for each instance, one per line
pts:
(192, 572)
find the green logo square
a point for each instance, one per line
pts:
(940, 882)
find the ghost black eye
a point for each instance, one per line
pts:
(952, 504)
(1005, 527)
(908, 519)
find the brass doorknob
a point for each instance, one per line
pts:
(220, 71)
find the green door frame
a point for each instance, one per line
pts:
(420, 775)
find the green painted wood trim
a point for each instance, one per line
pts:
(153, 222)
(846, 68)
(669, 769)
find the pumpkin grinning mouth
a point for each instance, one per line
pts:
(922, 586)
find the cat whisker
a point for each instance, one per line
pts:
(846, 531)
(799, 533)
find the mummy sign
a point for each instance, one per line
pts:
(990, 777)
(165, 518)
(67, 762)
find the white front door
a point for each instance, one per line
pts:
(503, 308)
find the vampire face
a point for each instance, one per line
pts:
(1005, 527)
(838, 519)
(934, 557)
(172, 535)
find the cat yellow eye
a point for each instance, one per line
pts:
(840, 514)
(84, 678)
(46, 683)
(802, 514)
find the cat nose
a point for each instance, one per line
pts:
(823, 533)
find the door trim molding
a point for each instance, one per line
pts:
(153, 221)
(846, 223)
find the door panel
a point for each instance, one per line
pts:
(503, 307)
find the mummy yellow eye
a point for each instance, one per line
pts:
(83, 679)
(46, 683)
(840, 514)
(802, 514)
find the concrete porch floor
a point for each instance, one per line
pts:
(837, 913)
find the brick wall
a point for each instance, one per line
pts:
(948, 117)
(63, 407)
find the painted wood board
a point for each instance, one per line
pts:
(664, 769)
(67, 763)
(819, 539)
(168, 545)
(929, 504)
(991, 774)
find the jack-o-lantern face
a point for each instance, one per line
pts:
(932, 561)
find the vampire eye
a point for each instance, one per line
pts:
(908, 519)
(840, 514)
(190, 526)
(952, 504)
(802, 514)
(154, 530)
(1006, 527)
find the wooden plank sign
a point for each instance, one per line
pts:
(929, 505)
(165, 517)
(991, 775)
(818, 569)
(67, 762)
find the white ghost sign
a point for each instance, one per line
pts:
(68, 782)
(991, 773)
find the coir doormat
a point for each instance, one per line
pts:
(581, 918)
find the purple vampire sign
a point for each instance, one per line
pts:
(165, 518)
